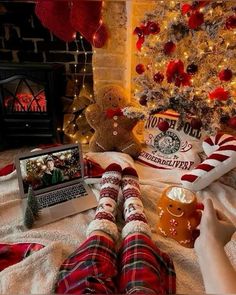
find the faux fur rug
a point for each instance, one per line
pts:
(37, 273)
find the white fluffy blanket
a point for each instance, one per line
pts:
(37, 273)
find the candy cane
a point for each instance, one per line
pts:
(221, 152)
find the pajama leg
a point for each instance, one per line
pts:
(144, 268)
(90, 269)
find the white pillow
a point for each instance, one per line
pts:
(173, 149)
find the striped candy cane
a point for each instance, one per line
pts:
(221, 152)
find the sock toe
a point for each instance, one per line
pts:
(129, 171)
(114, 167)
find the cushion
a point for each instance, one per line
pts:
(177, 148)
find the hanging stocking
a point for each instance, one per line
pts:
(55, 15)
(86, 19)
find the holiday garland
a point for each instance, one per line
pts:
(190, 62)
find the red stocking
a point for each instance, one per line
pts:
(85, 18)
(55, 15)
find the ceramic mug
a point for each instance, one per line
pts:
(179, 215)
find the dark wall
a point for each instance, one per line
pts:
(24, 39)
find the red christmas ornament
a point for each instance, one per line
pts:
(163, 126)
(232, 122)
(196, 20)
(186, 8)
(55, 16)
(192, 69)
(143, 100)
(140, 68)
(196, 123)
(219, 94)
(169, 47)
(153, 28)
(158, 77)
(225, 75)
(231, 22)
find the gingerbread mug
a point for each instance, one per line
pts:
(179, 215)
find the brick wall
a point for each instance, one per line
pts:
(110, 62)
(24, 39)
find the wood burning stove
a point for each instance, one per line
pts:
(30, 102)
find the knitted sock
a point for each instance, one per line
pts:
(105, 216)
(135, 219)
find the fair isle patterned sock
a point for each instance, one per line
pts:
(135, 219)
(105, 216)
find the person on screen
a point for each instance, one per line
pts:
(52, 175)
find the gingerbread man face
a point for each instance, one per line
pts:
(176, 209)
(110, 97)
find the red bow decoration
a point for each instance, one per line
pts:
(110, 113)
(145, 30)
(175, 73)
(219, 94)
(196, 18)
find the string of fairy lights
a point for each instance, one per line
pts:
(79, 84)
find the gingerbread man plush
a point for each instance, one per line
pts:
(113, 130)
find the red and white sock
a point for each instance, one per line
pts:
(135, 218)
(105, 216)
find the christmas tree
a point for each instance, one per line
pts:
(32, 202)
(186, 61)
(28, 218)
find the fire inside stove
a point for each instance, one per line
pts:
(23, 95)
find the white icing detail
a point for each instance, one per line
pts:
(162, 231)
(128, 147)
(115, 125)
(176, 215)
(189, 225)
(115, 117)
(184, 241)
(180, 194)
(100, 145)
(115, 132)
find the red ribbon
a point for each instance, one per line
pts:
(110, 113)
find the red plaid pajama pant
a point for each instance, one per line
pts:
(138, 267)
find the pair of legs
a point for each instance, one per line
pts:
(97, 267)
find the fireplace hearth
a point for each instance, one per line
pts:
(30, 109)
